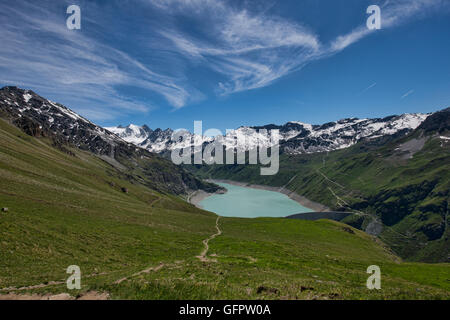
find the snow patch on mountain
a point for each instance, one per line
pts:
(27, 97)
(57, 120)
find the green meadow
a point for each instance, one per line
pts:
(68, 208)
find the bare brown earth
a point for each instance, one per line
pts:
(196, 197)
(148, 270)
(203, 256)
(44, 285)
(91, 295)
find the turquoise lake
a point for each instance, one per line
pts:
(251, 203)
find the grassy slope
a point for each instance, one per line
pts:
(66, 210)
(70, 210)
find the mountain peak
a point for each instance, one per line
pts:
(66, 129)
(131, 133)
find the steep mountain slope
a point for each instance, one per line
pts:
(401, 184)
(296, 137)
(67, 208)
(40, 117)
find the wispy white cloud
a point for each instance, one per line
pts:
(253, 50)
(38, 51)
(343, 41)
(371, 86)
(368, 88)
(392, 14)
(410, 92)
(250, 50)
(246, 48)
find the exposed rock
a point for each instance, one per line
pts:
(90, 295)
(61, 296)
(94, 295)
(374, 227)
(303, 288)
(333, 295)
(262, 289)
(438, 122)
(348, 230)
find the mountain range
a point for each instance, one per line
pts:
(66, 126)
(295, 137)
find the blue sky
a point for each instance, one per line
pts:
(166, 63)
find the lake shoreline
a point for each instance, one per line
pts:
(200, 195)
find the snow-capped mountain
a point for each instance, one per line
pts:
(306, 138)
(132, 133)
(153, 140)
(295, 137)
(41, 117)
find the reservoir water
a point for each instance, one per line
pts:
(251, 203)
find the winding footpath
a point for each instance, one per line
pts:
(202, 257)
(148, 270)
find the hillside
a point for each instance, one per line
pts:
(40, 117)
(401, 182)
(67, 206)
